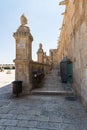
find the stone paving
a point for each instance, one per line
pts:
(41, 112)
(5, 82)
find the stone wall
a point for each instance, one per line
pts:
(53, 58)
(36, 66)
(73, 43)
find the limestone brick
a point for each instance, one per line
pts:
(73, 43)
(23, 40)
(53, 57)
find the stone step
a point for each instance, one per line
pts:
(54, 93)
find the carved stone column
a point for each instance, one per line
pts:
(40, 54)
(45, 58)
(23, 40)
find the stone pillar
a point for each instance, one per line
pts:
(45, 58)
(23, 40)
(40, 54)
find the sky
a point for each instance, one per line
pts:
(44, 20)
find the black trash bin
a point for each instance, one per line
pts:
(66, 70)
(17, 87)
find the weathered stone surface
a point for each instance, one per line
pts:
(73, 43)
(41, 112)
(23, 40)
(15, 128)
(40, 54)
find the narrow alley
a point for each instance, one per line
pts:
(47, 108)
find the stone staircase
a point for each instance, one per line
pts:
(51, 85)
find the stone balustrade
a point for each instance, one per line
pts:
(39, 67)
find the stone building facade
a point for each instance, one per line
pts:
(11, 66)
(73, 43)
(53, 57)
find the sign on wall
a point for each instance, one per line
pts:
(22, 43)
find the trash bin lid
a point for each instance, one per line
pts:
(65, 59)
(17, 81)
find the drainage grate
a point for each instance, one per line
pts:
(71, 98)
